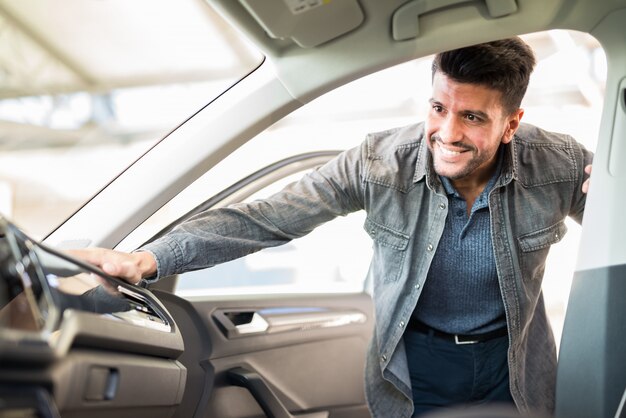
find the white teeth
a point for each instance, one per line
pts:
(446, 151)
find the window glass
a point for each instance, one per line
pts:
(565, 95)
(85, 92)
(331, 259)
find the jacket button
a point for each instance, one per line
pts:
(401, 324)
(417, 286)
(442, 206)
(430, 247)
(384, 358)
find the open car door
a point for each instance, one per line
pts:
(270, 334)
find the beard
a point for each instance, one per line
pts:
(472, 159)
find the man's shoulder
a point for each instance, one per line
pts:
(531, 135)
(393, 156)
(544, 157)
(393, 140)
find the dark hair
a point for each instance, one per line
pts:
(504, 65)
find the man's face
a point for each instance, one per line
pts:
(466, 124)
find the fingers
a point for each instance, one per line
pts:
(123, 265)
(585, 187)
(114, 263)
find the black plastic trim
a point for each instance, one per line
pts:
(591, 376)
(268, 401)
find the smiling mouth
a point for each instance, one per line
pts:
(450, 152)
(446, 151)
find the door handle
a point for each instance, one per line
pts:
(241, 323)
(405, 20)
(267, 400)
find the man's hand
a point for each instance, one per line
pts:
(131, 267)
(586, 183)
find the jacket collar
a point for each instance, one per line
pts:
(424, 159)
(509, 165)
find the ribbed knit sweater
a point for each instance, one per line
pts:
(461, 294)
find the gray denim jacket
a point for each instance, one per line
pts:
(390, 176)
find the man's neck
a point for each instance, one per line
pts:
(470, 187)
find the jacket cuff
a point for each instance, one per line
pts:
(168, 256)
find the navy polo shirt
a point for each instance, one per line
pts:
(461, 294)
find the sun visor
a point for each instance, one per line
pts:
(308, 23)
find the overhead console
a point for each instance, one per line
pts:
(75, 340)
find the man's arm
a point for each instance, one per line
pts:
(585, 187)
(131, 267)
(582, 165)
(224, 234)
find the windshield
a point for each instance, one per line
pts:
(85, 92)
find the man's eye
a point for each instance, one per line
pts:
(437, 108)
(472, 118)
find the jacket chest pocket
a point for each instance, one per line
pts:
(389, 251)
(534, 248)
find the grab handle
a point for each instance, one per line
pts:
(405, 20)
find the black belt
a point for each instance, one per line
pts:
(457, 338)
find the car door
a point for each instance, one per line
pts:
(219, 354)
(282, 332)
(273, 356)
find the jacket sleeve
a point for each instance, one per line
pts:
(584, 157)
(219, 235)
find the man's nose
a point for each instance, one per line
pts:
(450, 130)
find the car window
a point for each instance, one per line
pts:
(565, 95)
(85, 92)
(331, 259)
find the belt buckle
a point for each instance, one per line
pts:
(457, 342)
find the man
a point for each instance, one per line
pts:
(462, 210)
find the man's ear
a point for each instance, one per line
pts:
(512, 123)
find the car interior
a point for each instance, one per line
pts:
(75, 342)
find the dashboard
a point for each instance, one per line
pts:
(75, 340)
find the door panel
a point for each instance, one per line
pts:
(276, 333)
(313, 365)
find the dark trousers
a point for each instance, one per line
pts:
(444, 374)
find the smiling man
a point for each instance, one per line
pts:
(458, 340)
(470, 119)
(462, 210)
